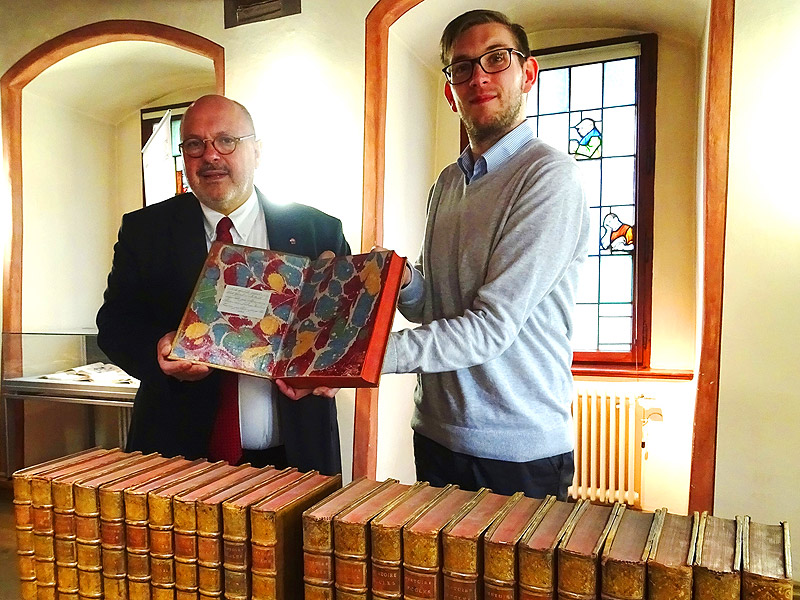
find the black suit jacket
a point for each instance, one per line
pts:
(157, 260)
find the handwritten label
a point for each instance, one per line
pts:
(244, 302)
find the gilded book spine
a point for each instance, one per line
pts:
(43, 535)
(162, 553)
(669, 583)
(87, 531)
(209, 550)
(318, 573)
(537, 574)
(112, 544)
(236, 551)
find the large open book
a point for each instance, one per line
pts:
(281, 316)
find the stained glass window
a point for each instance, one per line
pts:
(587, 101)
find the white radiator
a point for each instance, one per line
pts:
(608, 447)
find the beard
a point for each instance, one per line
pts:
(498, 125)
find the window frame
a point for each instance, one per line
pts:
(646, 87)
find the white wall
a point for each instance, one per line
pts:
(759, 412)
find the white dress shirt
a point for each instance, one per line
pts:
(258, 410)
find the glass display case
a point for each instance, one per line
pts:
(40, 369)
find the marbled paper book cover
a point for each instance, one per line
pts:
(282, 316)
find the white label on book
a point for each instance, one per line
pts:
(244, 302)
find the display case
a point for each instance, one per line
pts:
(41, 369)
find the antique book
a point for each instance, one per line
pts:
(500, 547)
(462, 547)
(624, 559)
(43, 516)
(766, 561)
(318, 541)
(387, 538)
(236, 532)
(579, 551)
(351, 542)
(160, 525)
(537, 551)
(66, 545)
(87, 521)
(422, 555)
(277, 315)
(210, 528)
(112, 520)
(718, 561)
(23, 515)
(184, 515)
(669, 566)
(137, 513)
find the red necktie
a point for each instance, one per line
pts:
(226, 442)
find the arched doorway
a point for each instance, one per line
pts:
(12, 85)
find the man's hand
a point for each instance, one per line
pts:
(297, 393)
(407, 274)
(179, 369)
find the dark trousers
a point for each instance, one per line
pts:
(537, 478)
(274, 457)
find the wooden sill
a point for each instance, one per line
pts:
(629, 372)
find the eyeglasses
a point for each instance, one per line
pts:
(492, 61)
(223, 143)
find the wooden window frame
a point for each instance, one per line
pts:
(638, 358)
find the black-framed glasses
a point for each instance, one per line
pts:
(223, 143)
(492, 61)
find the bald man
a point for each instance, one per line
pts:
(157, 259)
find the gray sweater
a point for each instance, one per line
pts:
(495, 292)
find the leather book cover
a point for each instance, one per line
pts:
(112, 520)
(624, 559)
(66, 546)
(351, 541)
(422, 554)
(538, 561)
(387, 538)
(160, 524)
(38, 538)
(669, 566)
(766, 561)
(579, 552)
(236, 532)
(87, 521)
(277, 315)
(276, 533)
(137, 540)
(718, 561)
(185, 521)
(210, 528)
(500, 547)
(318, 570)
(462, 548)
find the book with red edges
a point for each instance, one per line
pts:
(422, 544)
(277, 315)
(500, 547)
(351, 541)
(387, 538)
(276, 534)
(538, 563)
(318, 540)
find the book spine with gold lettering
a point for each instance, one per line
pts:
(386, 544)
(500, 546)
(318, 541)
(352, 540)
(23, 515)
(276, 534)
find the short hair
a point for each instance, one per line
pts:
(471, 18)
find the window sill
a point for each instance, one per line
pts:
(629, 372)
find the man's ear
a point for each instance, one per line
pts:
(448, 93)
(258, 152)
(530, 70)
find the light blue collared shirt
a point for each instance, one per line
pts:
(494, 157)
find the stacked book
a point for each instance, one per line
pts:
(124, 525)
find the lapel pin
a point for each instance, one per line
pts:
(292, 241)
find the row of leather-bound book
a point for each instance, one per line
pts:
(111, 524)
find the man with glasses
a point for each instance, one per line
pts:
(188, 409)
(494, 288)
